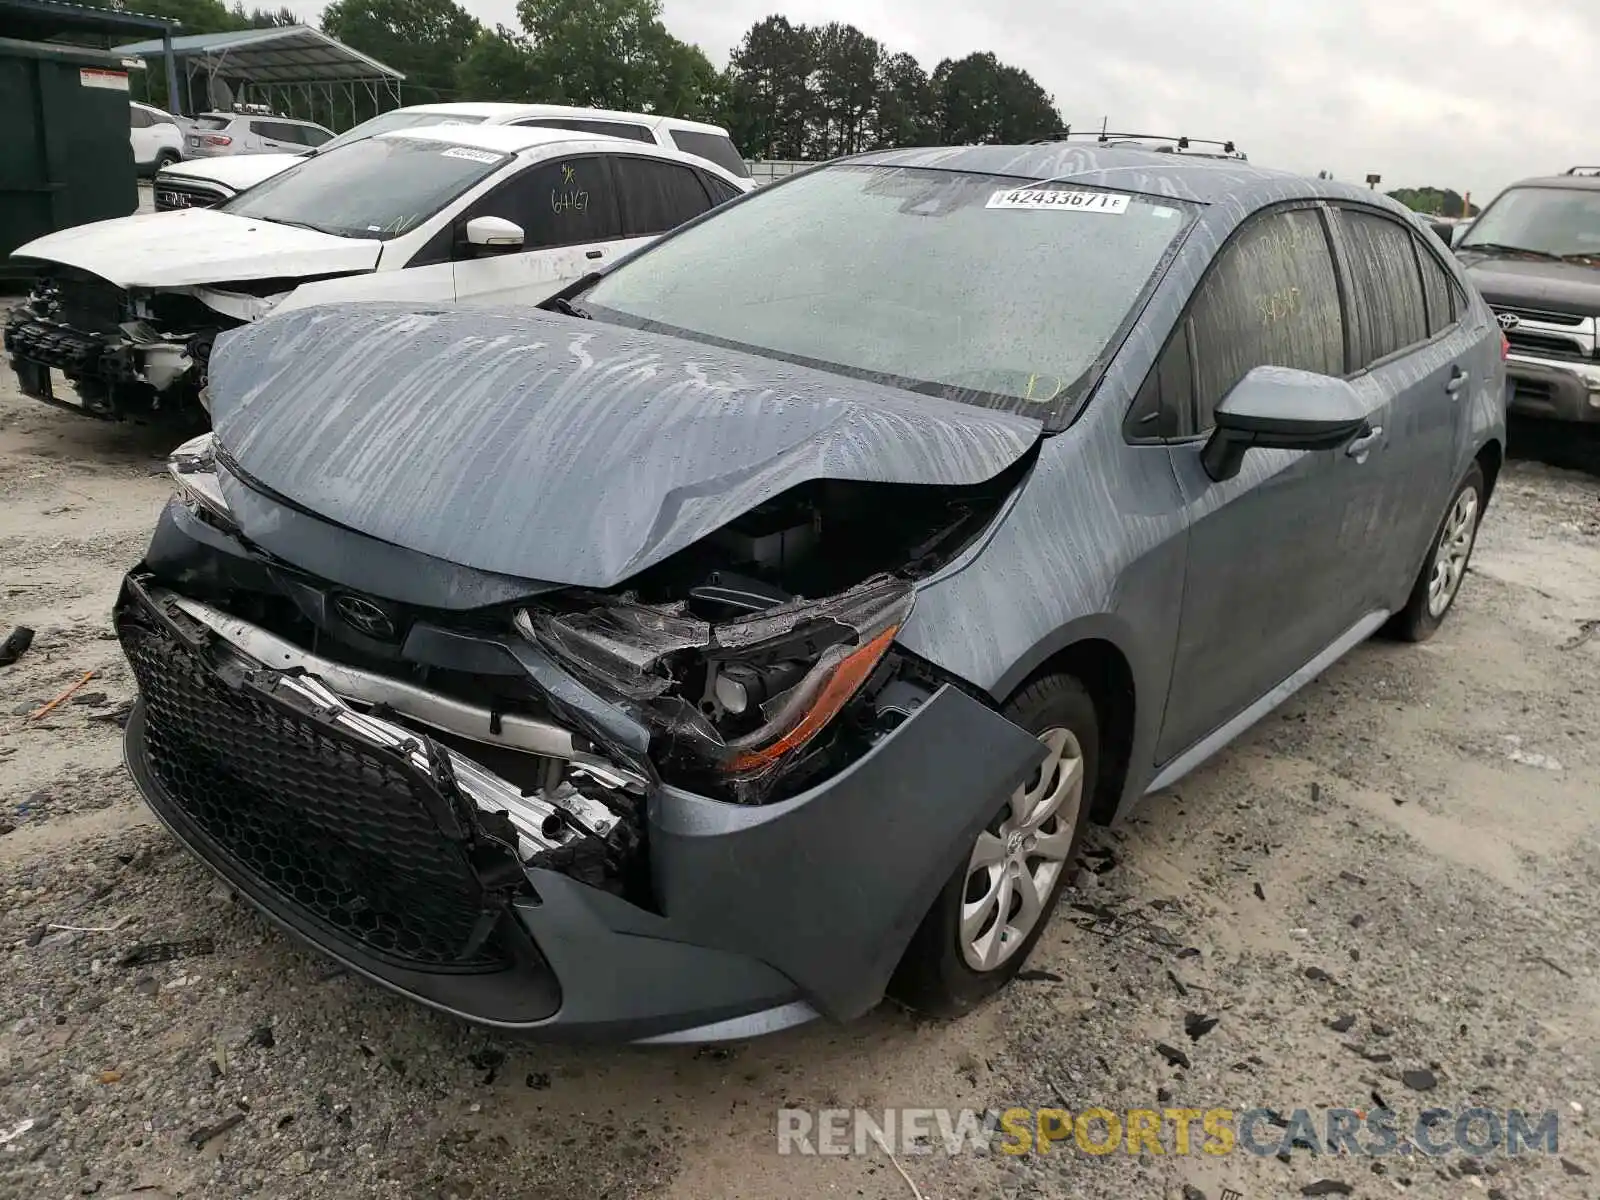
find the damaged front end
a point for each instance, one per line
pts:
(127, 352)
(414, 774)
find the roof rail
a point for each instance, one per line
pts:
(1583, 170)
(1103, 136)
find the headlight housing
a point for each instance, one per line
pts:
(742, 699)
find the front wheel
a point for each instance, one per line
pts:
(1435, 590)
(994, 908)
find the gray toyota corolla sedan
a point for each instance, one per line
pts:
(751, 632)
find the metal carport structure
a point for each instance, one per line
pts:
(279, 66)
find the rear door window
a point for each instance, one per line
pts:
(1387, 312)
(713, 147)
(310, 135)
(1271, 299)
(560, 203)
(657, 196)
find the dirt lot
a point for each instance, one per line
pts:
(1413, 843)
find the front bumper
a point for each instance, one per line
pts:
(1554, 389)
(114, 377)
(763, 916)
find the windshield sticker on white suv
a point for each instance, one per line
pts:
(481, 156)
(1100, 202)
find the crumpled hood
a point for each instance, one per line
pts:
(558, 449)
(199, 245)
(234, 171)
(1534, 283)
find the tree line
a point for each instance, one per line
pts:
(789, 90)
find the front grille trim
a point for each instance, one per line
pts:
(400, 866)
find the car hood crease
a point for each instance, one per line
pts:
(552, 448)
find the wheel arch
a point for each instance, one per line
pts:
(1097, 660)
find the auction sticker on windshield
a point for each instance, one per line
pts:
(1101, 202)
(471, 155)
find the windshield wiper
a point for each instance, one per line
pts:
(1588, 258)
(1499, 248)
(562, 305)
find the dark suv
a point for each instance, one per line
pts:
(1535, 256)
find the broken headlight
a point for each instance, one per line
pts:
(193, 467)
(741, 698)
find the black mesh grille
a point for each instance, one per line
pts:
(344, 833)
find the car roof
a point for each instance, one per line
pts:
(1586, 183)
(248, 116)
(1193, 177)
(514, 139)
(501, 111)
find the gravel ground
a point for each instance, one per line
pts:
(1413, 843)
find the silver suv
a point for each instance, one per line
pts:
(216, 134)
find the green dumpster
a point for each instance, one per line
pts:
(65, 158)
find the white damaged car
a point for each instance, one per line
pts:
(127, 309)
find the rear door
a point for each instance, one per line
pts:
(571, 225)
(1412, 366)
(1275, 559)
(272, 137)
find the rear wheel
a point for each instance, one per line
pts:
(995, 906)
(1434, 592)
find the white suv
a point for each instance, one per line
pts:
(224, 134)
(202, 184)
(156, 137)
(127, 308)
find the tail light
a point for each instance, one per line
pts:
(218, 139)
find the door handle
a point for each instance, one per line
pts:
(1458, 380)
(1363, 443)
(594, 254)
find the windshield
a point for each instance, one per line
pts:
(375, 188)
(1556, 222)
(212, 122)
(390, 121)
(982, 288)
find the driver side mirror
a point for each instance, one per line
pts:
(1279, 408)
(493, 235)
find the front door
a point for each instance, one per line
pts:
(571, 225)
(1276, 555)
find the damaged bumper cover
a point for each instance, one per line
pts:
(334, 809)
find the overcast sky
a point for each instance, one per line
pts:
(1467, 94)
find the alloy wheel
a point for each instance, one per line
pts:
(1450, 556)
(1017, 861)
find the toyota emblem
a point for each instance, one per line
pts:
(1508, 320)
(364, 616)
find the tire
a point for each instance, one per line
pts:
(936, 976)
(164, 159)
(1420, 619)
